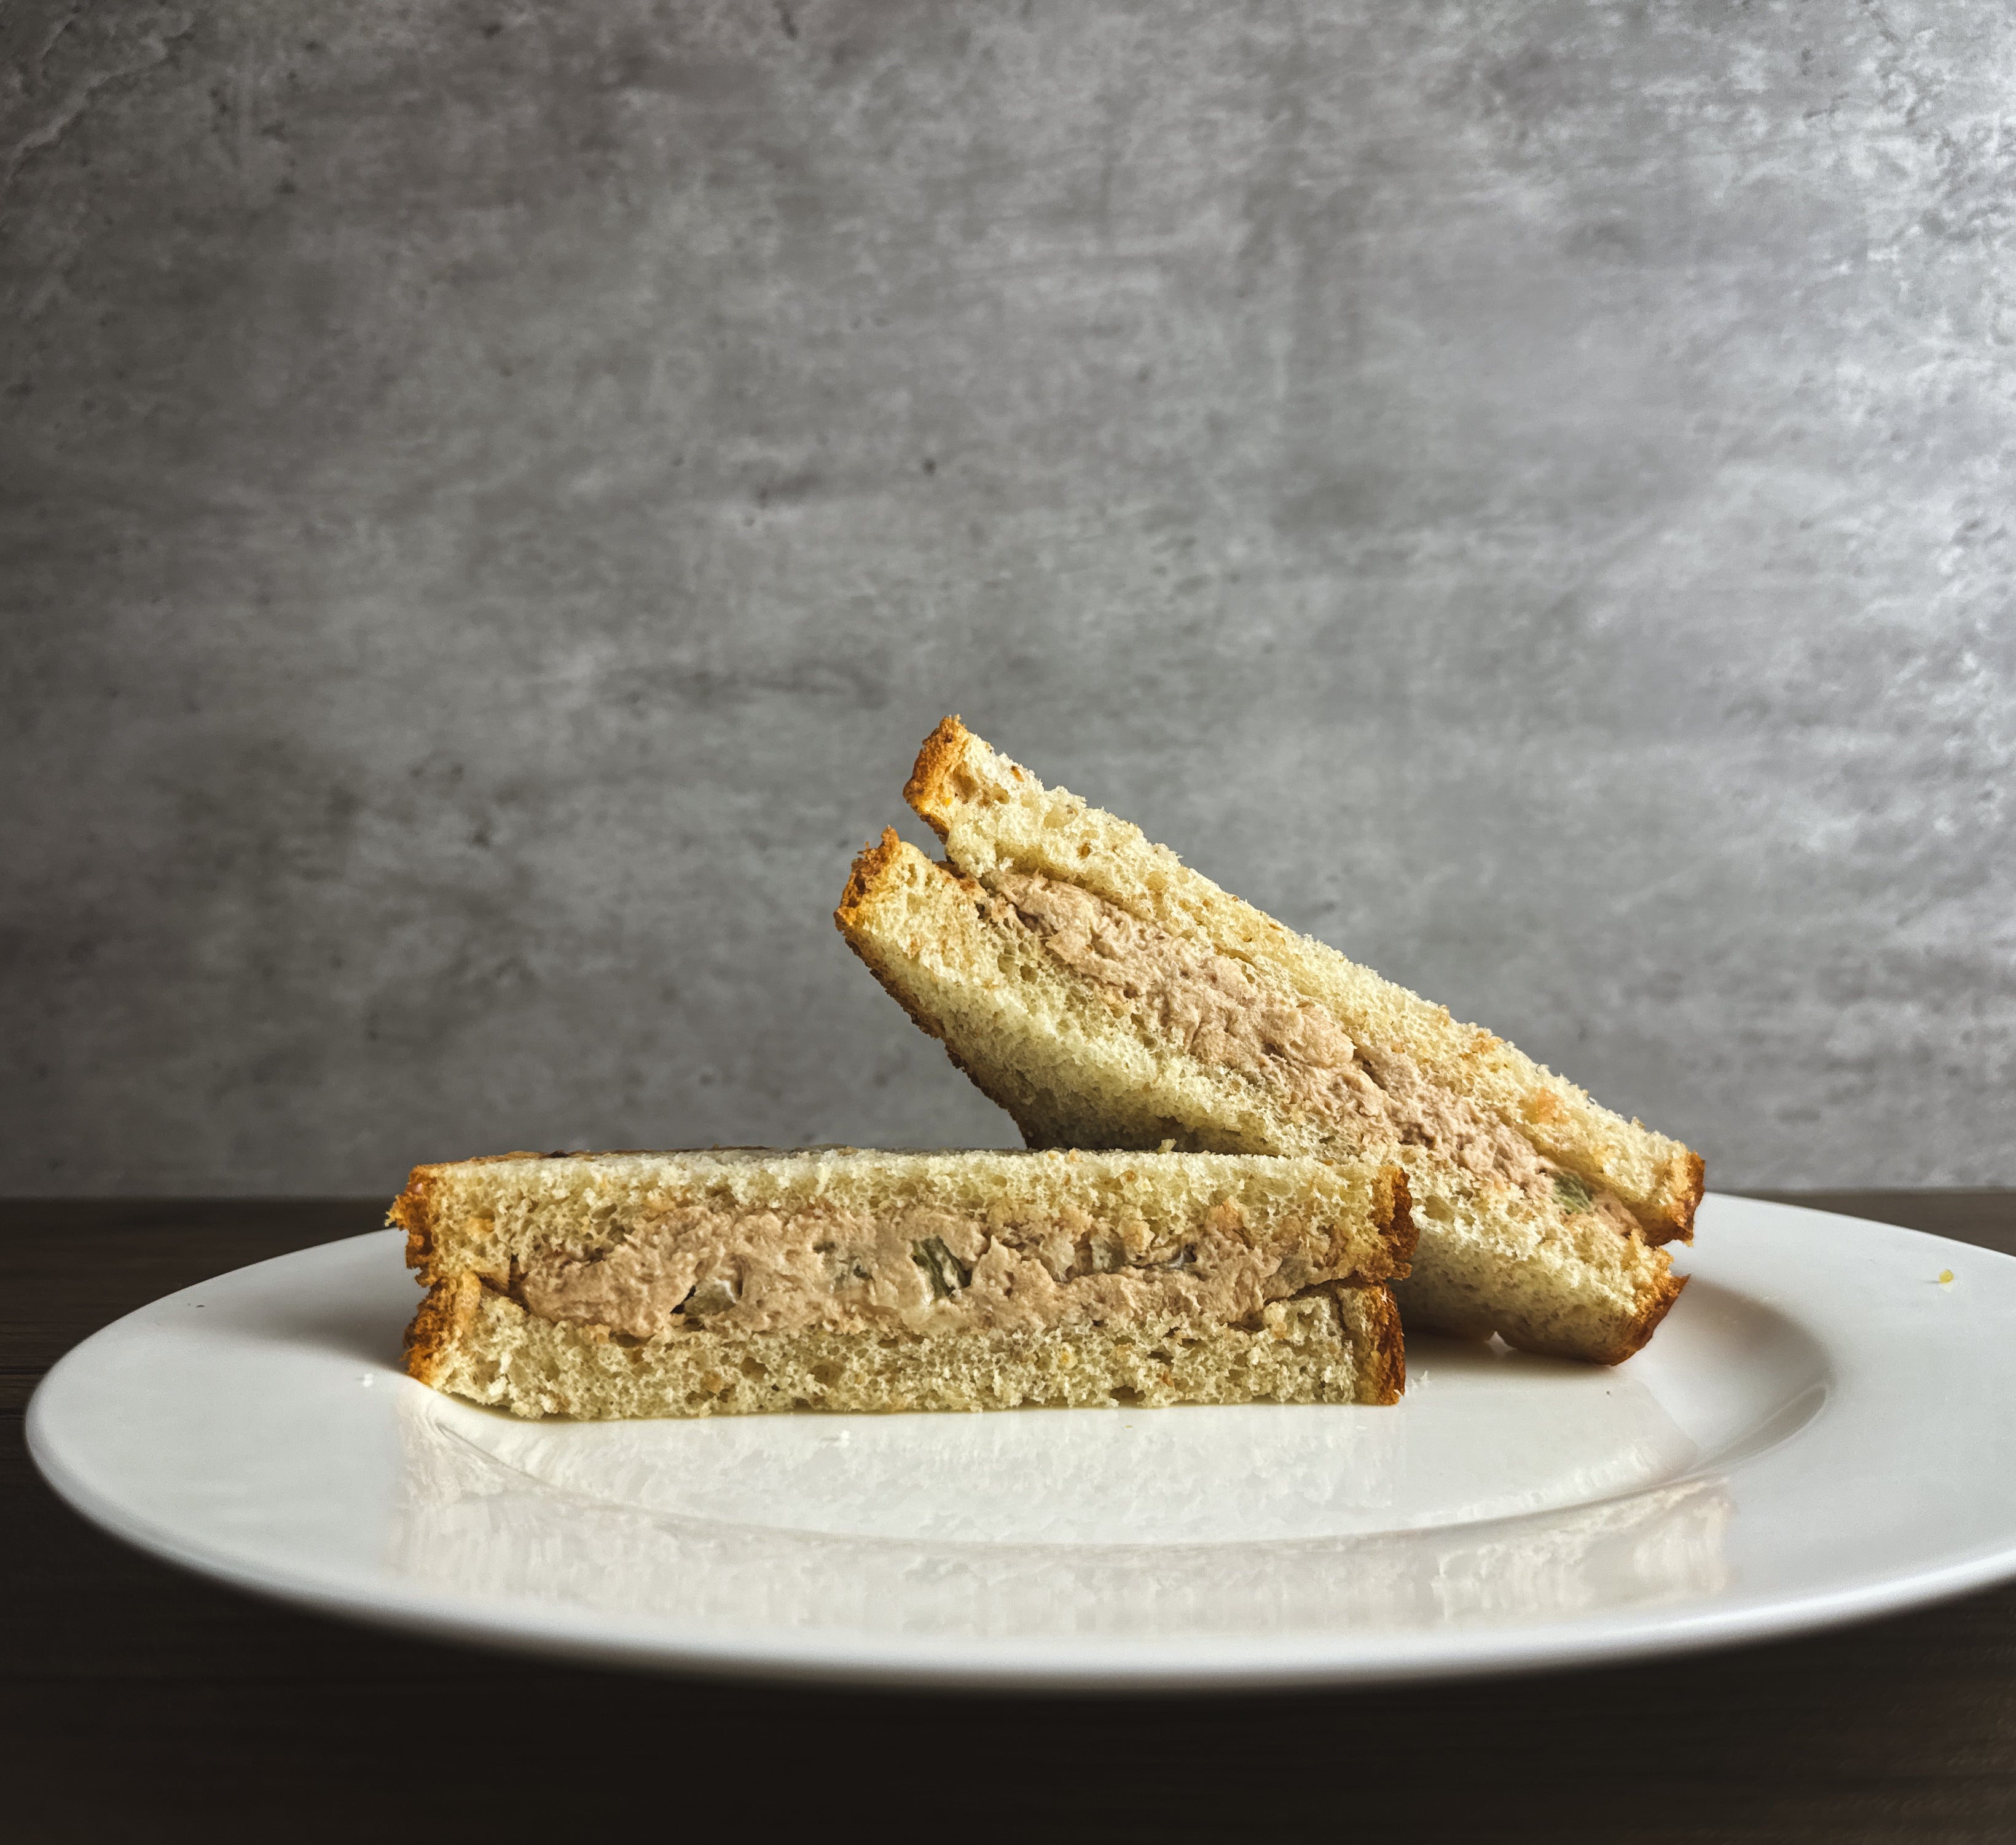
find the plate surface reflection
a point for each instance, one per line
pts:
(1505, 1489)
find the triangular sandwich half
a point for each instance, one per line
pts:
(1106, 995)
(691, 1284)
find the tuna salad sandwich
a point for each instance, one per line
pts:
(609, 1284)
(1106, 995)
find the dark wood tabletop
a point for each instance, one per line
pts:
(143, 1703)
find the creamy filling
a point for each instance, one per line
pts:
(756, 1270)
(1212, 1005)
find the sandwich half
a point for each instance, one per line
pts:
(1107, 996)
(612, 1284)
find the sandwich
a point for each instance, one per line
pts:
(693, 1284)
(1108, 996)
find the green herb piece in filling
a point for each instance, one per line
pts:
(1573, 1192)
(946, 1272)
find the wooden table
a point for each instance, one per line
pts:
(142, 1703)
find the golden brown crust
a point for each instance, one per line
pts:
(1388, 1367)
(412, 1211)
(1657, 1303)
(940, 759)
(1653, 1305)
(1690, 1180)
(444, 1317)
(1395, 1206)
(870, 865)
(1670, 1218)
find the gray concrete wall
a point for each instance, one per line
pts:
(491, 497)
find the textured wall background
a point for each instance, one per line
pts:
(491, 496)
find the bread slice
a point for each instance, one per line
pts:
(692, 1284)
(1106, 995)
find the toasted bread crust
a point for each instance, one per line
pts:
(1689, 1180)
(1394, 1205)
(1388, 1381)
(871, 865)
(412, 1211)
(1632, 1336)
(1392, 1351)
(444, 1318)
(938, 760)
(1657, 1303)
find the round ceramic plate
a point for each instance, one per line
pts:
(1821, 1431)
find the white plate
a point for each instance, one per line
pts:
(1821, 1431)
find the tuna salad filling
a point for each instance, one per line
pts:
(752, 1270)
(1214, 1007)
